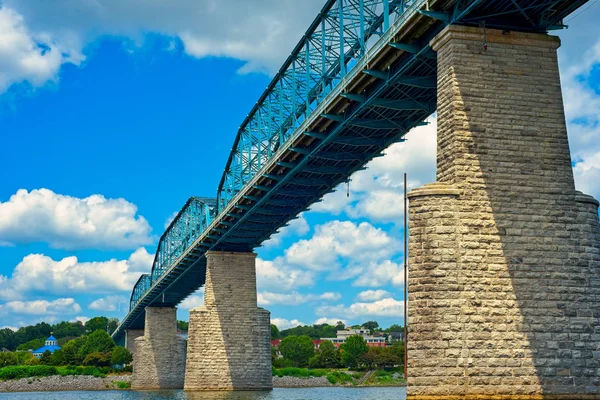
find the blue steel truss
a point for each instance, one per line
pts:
(360, 78)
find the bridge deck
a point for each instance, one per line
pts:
(387, 91)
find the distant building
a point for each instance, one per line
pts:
(51, 345)
(396, 336)
(371, 341)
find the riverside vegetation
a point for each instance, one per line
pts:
(299, 358)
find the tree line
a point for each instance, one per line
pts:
(33, 336)
(96, 349)
(299, 351)
(318, 331)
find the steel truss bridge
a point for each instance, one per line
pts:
(360, 78)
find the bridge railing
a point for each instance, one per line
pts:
(188, 224)
(140, 287)
(335, 41)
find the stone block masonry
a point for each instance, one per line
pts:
(159, 357)
(504, 265)
(229, 344)
(130, 337)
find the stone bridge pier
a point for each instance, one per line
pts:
(229, 344)
(159, 354)
(504, 295)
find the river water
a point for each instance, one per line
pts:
(368, 393)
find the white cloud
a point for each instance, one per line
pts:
(582, 109)
(258, 32)
(377, 193)
(380, 274)
(294, 298)
(40, 273)
(282, 323)
(336, 239)
(109, 303)
(278, 275)
(25, 55)
(70, 222)
(372, 295)
(58, 307)
(170, 219)
(12, 328)
(387, 307)
(297, 227)
(81, 319)
(193, 301)
(330, 321)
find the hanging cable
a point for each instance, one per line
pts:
(348, 187)
(485, 42)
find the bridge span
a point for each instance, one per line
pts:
(364, 74)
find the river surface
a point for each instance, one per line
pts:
(368, 393)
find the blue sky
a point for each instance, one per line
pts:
(112, 115)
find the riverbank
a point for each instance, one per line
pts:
(114, 382)
(63, 383)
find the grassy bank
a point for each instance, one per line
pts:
(31, 371)
(391, 377)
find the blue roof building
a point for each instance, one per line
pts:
(51, 345)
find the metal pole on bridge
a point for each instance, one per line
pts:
(405, 281)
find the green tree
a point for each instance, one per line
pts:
(46, 358)
(183, 326)
(97, 342)
(71, 350)
(113, 324)
(395, 328)
(68, 329)
(326, 357)
(371, 325)
(97, 323)
(120, 356)
(7, 339)
(397, 350)
(297, 349)
(8, 358)
(32, 344)
(353, 350)
(98, 359)
(274, 332)
(59, 358)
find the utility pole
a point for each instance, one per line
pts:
(405, 282)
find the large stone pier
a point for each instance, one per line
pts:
(159, 355)
(229, 337)
(504, 295)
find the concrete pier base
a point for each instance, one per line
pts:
(159, 356)
(130, 337)
(229, 337)
(504, 260)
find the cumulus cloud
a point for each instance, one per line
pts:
(582, 109)
(329, 321)
(294, 298)
(372, 295)
(25, 55)
(42, 274)
(387, 307)
(193, 301)
(283, 323)
(72, 223)
(357, 243)
(109, 303)
(58, 307)
(297, 227)
(380, 274)
(377, 193)
(38, 37)
(279, 275)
